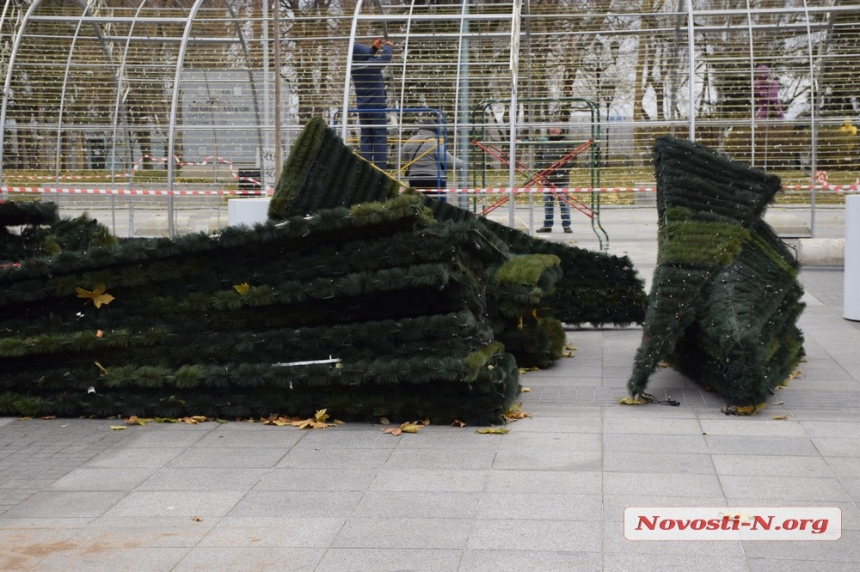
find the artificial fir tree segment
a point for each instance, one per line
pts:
(595, 288)
(388, 302)
(725, 298)
(323, 173)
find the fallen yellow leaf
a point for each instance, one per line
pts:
(514, 412)
(493, 431)
(410, 428)
(242, 288)
(197, 518)
(781, 417)
(458, 423)
(393, 430)
(134, 419)
(98, 295)
(527, 390)
(101, 367)
(632, 401)
(118, 427)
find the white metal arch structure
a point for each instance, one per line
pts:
(143, 79)
(107, 22)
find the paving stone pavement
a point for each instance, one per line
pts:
(76, 495)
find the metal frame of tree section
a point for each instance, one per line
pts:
(479, 159)
(441, 134)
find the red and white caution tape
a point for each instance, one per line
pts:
(133, 192)
(135, 168)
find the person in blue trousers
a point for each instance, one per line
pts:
(547, 155)
(367, 64)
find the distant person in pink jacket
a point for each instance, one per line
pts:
(766, 95)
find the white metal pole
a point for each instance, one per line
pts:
(691, 54)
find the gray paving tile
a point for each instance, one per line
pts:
(404, 533)
(651, 426)
(541, 535)
(614, 542)
(540, 506)
(662, 484)
(632, 562)
(829, 447)
(22, 548)
(520, 560)
(651, 411)
(760, 425)
(47, 523)
(755, 445)
(548, 460)
(833, 429)
(587, 423)
(655, 443)
(273, 532)
(456, 481)
(846, 549)
(844, 467)
(536, 481)
(440, 459)
(614, 505)
(320, 480)
(59, 504)
(389, 560)
(551, 441)
(449, 438)
(783, 565)
(783, 488)
(184, 535)
(102, 479)
(119, 457)
(231, 436)
(334, 458)
(229, 457)
(176, 503)
(197, 479)
(852, 486)
(795, 466)
(147, 438)
(417, 503)
(628, 461)
(114, 559)
(849, 509)
(334, 504)
(363, 437)
(257, 559)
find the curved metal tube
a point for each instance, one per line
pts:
(174, 102)
(8, 82)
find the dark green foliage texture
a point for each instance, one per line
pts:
(725, 298)
(396, 297)
(323, 173)
(410, 307)
(44, 233)
(595, 287)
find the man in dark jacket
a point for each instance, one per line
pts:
(548, 154)
(367, 64)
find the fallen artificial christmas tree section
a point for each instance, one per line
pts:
(725, 298)
(352, 298)
(394, 309)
